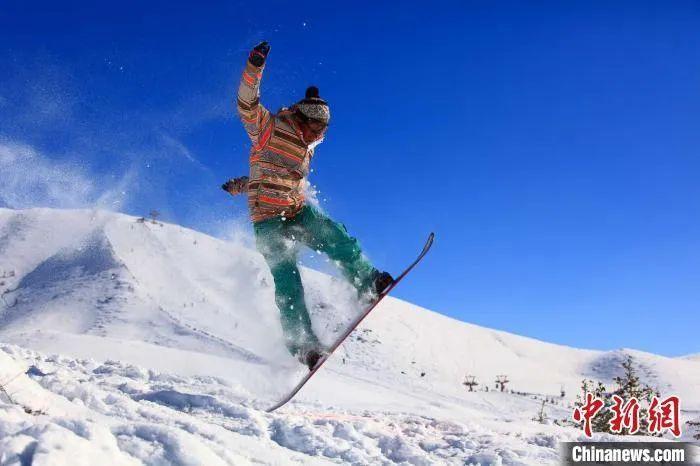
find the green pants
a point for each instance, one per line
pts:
(278, 240)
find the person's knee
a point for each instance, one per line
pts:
(278, 255)
(346, 249)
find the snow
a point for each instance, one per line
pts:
(128, 342)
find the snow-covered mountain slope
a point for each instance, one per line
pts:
(159, 341)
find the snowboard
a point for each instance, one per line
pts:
(353, 325)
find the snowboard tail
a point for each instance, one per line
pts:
(353, 325)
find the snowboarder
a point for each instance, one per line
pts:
(282, 147)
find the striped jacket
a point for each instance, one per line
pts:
(279, 157)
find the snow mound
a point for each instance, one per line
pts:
(161, 345)
(91, 411)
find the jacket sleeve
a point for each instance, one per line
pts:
(253, 115)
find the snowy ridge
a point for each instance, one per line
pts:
(161, 345)
(191, 422)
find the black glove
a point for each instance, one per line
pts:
(259, 53)
(236, 186)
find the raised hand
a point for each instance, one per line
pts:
(259, 54)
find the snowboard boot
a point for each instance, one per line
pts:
(382, 281)
(310, 357)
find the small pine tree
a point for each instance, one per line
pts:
(629, 386)
(601, 421)
(541, 416)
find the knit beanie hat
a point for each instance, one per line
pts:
(313, 106)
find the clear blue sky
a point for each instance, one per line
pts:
(552, 146)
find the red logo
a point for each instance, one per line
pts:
(665, 415)
(587, 412)
(662, 414)
(625, 415)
